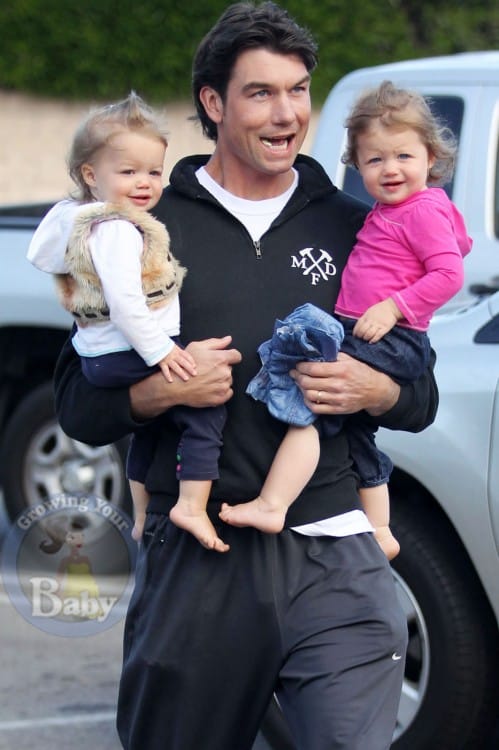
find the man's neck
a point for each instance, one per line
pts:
(248, 184)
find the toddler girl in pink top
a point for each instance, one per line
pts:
(407, 262)
(408, 259)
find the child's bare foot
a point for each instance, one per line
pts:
(199, 525)
(258, 513)
(138, 526)
(387, 541)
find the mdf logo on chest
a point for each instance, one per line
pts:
(315, 263)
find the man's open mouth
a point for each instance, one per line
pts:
(277, 144)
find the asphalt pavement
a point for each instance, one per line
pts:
(56, 692)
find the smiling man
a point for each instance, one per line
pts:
(261, 123)
(310, 613)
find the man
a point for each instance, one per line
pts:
(310, 613)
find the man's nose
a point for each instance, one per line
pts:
(283, 110)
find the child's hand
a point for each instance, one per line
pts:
(178, 361)
(377, 320)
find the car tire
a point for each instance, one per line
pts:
(450, 692)
(39, 461)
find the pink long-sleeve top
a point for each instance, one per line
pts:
(412, 252)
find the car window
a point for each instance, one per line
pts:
(450, 110)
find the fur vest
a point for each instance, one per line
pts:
(80, 289)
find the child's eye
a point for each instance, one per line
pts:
(404, 156)
(374, 160)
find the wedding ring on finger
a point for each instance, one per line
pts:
(318, 400)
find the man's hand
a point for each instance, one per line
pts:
(345, 386)
(211, 386)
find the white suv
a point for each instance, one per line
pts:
(445, 487)
(464, 92)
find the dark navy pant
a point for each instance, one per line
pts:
(404, 355)
(201, 429)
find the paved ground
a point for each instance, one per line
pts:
(54, 691)
(35, 134)
(59, 692)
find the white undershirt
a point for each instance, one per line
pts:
(257, 216)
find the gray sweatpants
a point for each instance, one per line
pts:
(209, 637)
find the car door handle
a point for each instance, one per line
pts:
(484, 289)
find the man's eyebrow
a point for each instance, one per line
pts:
(256, 85)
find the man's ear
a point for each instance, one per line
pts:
(88, 174)
(212, 103)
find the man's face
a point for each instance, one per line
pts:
(264, 119)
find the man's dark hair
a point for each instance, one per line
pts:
(241, 27)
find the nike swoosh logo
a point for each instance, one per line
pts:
(396, 656)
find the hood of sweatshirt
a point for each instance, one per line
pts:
(48, 245)
(314, 182)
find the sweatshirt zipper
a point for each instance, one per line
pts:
(258, 250)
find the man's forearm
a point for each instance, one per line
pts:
(104, 415)
(212, 386)
(385, 396)
(153, 396)
(348, 386)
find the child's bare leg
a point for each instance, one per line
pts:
(189, 513)
(140, 498)
(293, 465)
(376, 503)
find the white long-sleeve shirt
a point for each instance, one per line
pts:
(116, 248)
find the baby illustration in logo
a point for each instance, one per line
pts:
(74, 592)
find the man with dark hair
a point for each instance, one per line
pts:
(310, 613)
(268, 28)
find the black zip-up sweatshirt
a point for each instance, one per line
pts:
(238, 287)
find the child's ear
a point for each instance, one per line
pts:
(88, 174)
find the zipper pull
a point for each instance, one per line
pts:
(258, 251)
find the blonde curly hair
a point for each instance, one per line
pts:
(100, 125)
